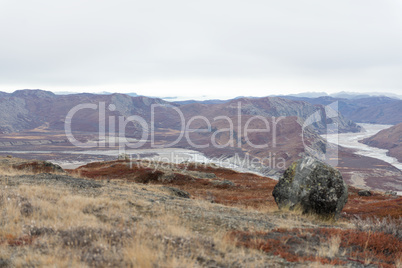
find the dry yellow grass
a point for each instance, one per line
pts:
(331, 248)
(398, 262)
(61, 221)
(9, 171)
(125, 231)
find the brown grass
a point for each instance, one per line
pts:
(16, 166)
(250, 191)
(58, 226)
(331, 245)
(10, 171)
(64, 228)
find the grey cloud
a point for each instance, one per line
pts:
(108, 42)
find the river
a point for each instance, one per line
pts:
(351, 140)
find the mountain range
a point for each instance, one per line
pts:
(374, 110)
(361, 109)
(34, 120)
(29, 109)
(344, 95)
(285, 136)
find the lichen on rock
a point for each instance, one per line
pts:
(313, 186)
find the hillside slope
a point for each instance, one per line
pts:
(390, 139)
(117, 220)
(374, 110)
(273, 107)
(33, 108)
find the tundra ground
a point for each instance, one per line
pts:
(111, 214)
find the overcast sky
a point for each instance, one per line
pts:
(218, 48)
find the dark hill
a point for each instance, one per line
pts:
(390, 139)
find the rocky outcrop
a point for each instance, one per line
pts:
(364, 193)
(34, 166)
(223, 183)
(39, 167)
(313, 186)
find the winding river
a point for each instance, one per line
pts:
(351, 140)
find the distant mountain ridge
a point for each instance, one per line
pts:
(41, 113)
(33, 108)
(374, 110)
(271, 106)
(342, 95)
(29, 109)
(361, 108)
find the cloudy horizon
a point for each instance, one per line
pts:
(211, 48)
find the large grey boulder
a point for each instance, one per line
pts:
(313, 186)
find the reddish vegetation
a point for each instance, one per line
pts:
(250, 190)
(377, 205)
(36, 167)
(384, 248)
(281, 243)
(17, 241)
(297, 245)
